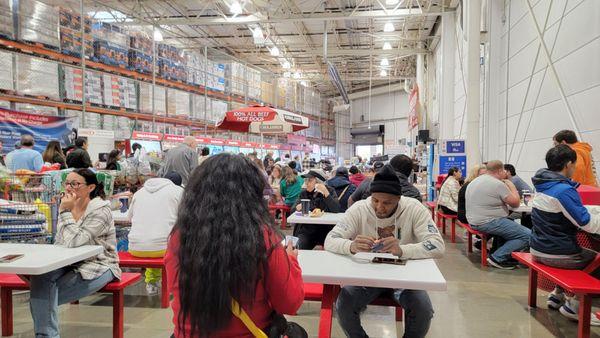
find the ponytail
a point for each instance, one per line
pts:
(98, 191)
(90, 178)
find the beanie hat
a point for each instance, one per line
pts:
(174, 177)
(341, 171)
(386, 181)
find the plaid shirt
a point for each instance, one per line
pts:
(96, 227)
(306, 163)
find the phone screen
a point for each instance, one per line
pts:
(385, 260)
(9, 258)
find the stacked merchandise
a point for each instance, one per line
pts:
(111, 90)
(38, 22)
(215, 79)
(22, 218)
(175, 130)
(198, 106)
(128, 93)
(92, 120)
(37, 77)
(218, 110)
(171, 63)
(6, 71)
(195, 68)
(108, 122)
(238, 84)
(73, 85)
(75, 114)
(5, 104)
(178, 103)
(266, 91)
(34, 109)
(253, 80)
(111, 44)
(70, 33)
(6, 19)
(145, 99)
(123, 127)
(290, 97)
(140, 53)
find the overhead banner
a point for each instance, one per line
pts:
(413, 104)
(44, 129)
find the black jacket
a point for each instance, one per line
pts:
(79, 158)
(408, 190)
(343, 189)
(317, 200)
(462, 209)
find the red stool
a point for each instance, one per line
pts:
(484, 239)
(284, 210)
(126, 260)
(10, 282)
(441, 222)
(431, 205)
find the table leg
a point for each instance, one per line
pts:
(283, 220)
(585, 307)
(164, 297)
(7, 311)
(330, 293)
(532, 296)
(453, 234)
(470, 242)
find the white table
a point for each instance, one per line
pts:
(41, 258)
(327, 218)
(523, 208)
(334, 270)
(121, 218)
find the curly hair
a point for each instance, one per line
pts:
(221, 224)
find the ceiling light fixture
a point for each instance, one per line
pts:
(235, 8)
(388, 27)
(158, 37)
(304, 83)
(257, 33)
(387, 46)
(286, 64)
(383, 73)
(287, 74)
(274, 51)
(384, 62)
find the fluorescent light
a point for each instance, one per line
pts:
(274, 51)
(297, 75)
(304, 83)
(387, 46)
(391, 2)
(287, 74)
(235, 8)
(157, 35)
(286, 64)
(383, 73)
(384, 62)
(257, 33)
(388, 27)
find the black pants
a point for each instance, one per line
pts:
(311, 235)
(447, 211)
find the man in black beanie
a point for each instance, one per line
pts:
(386, 222)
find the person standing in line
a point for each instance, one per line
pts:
(112, 163)
(306, 162)
(584, 171)
(398, 225)
(448, 199)
(25, 157)
(54, 154)
(182, 160)
(79, 158)
(487, 200)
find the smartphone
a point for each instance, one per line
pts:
(10, 258)
(377, 247)
(293, 240)
(383, 260)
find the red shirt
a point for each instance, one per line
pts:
(284, 284)
(357, 179)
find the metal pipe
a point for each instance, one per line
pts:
(83, 100)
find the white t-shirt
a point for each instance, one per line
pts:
(485, 200)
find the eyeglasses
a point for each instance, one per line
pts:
(73, 184)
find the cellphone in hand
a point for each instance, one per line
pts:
(10, 258)
(294, 240)
(377, 247)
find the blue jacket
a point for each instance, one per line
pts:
(341, 183)
(558, 214)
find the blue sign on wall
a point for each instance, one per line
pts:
(447, 162)
(455, 147)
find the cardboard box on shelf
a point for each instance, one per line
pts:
(198, 107)
(178, 103)
(145, 99)
(6, 71)
(38, 22)
(34, 109)
(37, 77)
(111, 90)
(110, 54)
(6, 19)
(117, 36)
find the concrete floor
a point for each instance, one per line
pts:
(479, 303)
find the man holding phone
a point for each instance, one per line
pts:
(385, 222)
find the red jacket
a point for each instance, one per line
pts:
(357, 179)
(283, 291)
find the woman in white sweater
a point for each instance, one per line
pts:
(448, 199)
(153, 212)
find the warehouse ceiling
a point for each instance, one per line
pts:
(354, 37)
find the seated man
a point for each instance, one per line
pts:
(322, 197)
(401, 226)
(487, 200)
(558, 214)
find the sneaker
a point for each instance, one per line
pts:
(152, 289)
(504, 265)
(477, 246)
(555, 300)
(571, 308)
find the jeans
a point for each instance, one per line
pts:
(573, 262)
(516, 237)
(352, 300)
(57, 287)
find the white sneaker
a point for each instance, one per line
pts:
(571, 310)
(152, 289)
(555, 300)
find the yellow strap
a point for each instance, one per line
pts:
(243, 316)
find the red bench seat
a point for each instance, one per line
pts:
(126, 260)
(10, 282)
(431, 205)
(484, 239)
(576, 281)
(284, 210)
(441, 223)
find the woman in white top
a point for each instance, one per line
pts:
(275, 181)
(448, 200)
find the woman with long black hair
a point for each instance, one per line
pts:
(224, 250)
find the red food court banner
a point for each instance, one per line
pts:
(250, 116)
(142, 135)
(413, 104)
(296, 139)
